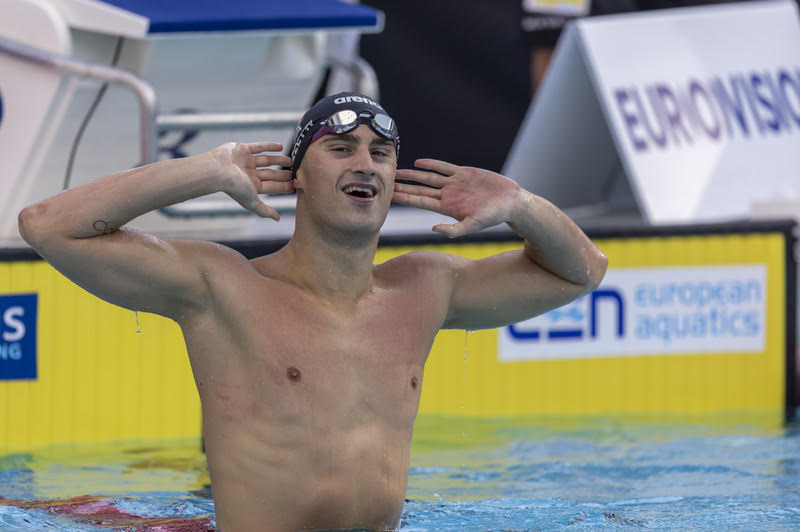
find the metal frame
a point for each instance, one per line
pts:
(151, 122)
(143, 91)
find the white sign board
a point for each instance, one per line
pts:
(701, 104)
(29, 117)
(650, 311)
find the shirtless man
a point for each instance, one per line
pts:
(309, 361)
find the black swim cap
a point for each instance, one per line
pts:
(314, 119)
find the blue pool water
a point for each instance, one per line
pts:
(480, 476)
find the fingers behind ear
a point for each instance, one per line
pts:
(260, 147)
(440, 167)
(263, 161)
(276, 187)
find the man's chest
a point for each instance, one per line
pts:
(320, 362)
(395, 325)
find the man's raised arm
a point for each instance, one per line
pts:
(557, 264)
(79, 230)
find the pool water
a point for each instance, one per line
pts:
(465, 476)
(605, 475)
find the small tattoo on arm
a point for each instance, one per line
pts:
(103, 227)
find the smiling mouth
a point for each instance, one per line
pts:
(360, 191)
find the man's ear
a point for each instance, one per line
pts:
(299, 178)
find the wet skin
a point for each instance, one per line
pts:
(309, 398)
(308, 409)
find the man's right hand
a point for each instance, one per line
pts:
(81, 230)
(246, 167)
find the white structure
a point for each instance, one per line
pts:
(244, 71)
(683, 115)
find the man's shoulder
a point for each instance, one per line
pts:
(209, 255)
(421, 263)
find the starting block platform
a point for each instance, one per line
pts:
(91, 87)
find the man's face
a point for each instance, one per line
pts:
(347, 180)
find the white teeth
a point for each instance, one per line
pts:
(368, 192)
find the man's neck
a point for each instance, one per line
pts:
(335, 269)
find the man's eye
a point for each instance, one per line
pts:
(380, 153)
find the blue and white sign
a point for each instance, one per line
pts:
(18, 317)
(651, 311)
(705, 108)
(687, 115)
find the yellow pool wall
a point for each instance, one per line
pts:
(107, 374)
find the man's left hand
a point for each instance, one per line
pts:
(476, 198)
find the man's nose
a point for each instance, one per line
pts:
(362, 160)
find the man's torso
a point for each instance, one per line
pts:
(308, 405)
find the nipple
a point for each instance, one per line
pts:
(293, 374)
(414, 382)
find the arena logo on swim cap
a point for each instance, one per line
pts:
(358, 99)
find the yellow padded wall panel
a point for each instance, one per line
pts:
(683, 384)
(98, 379)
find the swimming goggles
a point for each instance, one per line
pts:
(344, 121)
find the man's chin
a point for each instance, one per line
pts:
(368, 227)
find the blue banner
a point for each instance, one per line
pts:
(18, 317)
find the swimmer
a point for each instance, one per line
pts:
(309, 361)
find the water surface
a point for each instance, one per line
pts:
(465, 476)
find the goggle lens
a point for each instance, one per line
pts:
(344, 121)
(385, 125)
